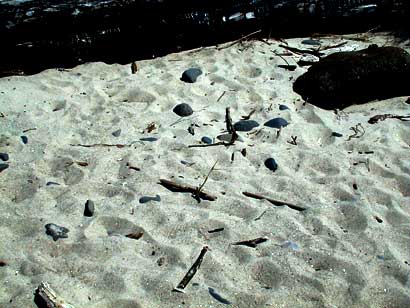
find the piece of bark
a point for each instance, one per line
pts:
(186, 188)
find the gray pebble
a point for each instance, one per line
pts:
(3, 167)
(116, 133)
(283, 107)
(4, 156)
(183, 110)
(146, 199)
(271, 164)
(24, 139)
(245, 125)
(89, 208)
(277, 123)
(56, 231)
(206, 140)
(191, 75)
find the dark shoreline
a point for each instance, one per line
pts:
(37, 35)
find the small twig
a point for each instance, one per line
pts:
(252, 243)
(358, 131)
(293, 142)
(301, 51)
(100, 145)
(192, 271)
(197, 193)
(239, 40)
(220, 97)
(247, 117)
(260, 216)
(275, 202)
(29, 129)
(172, 186)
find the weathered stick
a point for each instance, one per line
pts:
(275, 202)
(382, 117)
(252, 243)
(186, 188)
(47, 298)
(192, 271)
(196, 195)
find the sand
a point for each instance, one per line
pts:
(350, 248)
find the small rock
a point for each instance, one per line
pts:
(149, 139)
(283, 107)
(245, 125)
(206, 140)
(191, 75)
(89, 208)
(228, 138)
(116, 133)
(311, 42)
(146, 199)
(4, 156)
(56, 231)
(191, 129)
(271, 164)
(183, 110)
(24, 139)
(335, 134)
(3, 167)
(276, 123)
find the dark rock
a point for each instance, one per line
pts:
(271, 164)
(24, 139)
(56, 231)
(336, 134)
(346, 78)
(283, 107)
(311, 42)
(89, 208)
(277, 123)
(146, 199)
(206, 140)
(116, 133)
(149, 139)
(191, 75)
(3, 167)
(191, 129)
(245, 125)
(4, 156)
(183, 110)
(52, 183)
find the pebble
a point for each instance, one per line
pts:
(206, 140)
(24, 139)
(89, 208)
(283, 107)
(149, 139)
(311, 42)
(183, 110)
(271, 164)
(4, 156)
(277, 123)
(228, 138)
(56, 231)
(146, 199)
(245, 125)
(3, 167)
(191, 75)
(116, 133)
(335, 134)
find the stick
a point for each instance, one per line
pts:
(252, 243)
(192, 271)
(47, 298)
(186, 188)
(100, 145)
(239, 40)
(382, 117)
(275, 202)
(220, 97)
(196, 195)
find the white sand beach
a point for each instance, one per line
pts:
(349, 248)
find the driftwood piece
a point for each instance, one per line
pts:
(192, 271)
(252, 243)
(45, 297)
(382, 117)
(172, 186)
(275, 202)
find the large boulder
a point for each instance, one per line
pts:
(346, 78)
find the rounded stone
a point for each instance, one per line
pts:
(146, 199)
(283, 107)
(4, 156)
(206, 140)
(116, 133)
(24, 139)
(89, 208)
(3, 167)
(191, 75)
(277, 123)
(245, 125)
(183, 110)
(271, 164)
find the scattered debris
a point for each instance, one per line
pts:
(252, 243)
(358, 131)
